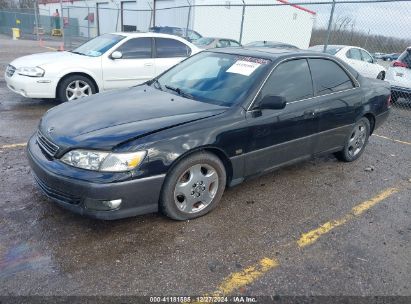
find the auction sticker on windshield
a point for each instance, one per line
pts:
(242, 67)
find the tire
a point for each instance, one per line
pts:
(381, 75)
(356, 142)
(193, 187)
(77, 85)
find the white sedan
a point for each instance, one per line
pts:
(358, 58)
(110, 61)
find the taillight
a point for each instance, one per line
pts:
(398, 63)
(389, 101)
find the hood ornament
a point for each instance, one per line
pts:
(50, 130)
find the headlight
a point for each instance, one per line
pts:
(32, 72)
(103, 161)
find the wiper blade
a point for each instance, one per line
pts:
(180, 92)
(158, 84)
(78, 53)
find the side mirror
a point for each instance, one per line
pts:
(273, 102)
(116, 55)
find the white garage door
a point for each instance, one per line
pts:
(136, 15)
(108, 18)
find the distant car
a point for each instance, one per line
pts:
(399, 76)
(358, 58)
(271, 44)
(106, 62)
(218, 118)
(378, 55)
(390, 57)
(213, 42)
(187, 34)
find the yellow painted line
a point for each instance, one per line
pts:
(246, 276)
(12, 146)
(251, 273)
(50, 48)
(312, 236)
(364, 206)
(394, 140)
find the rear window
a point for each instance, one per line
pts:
(332, 50)
(406, 57)
(328, 77)
(204, 41)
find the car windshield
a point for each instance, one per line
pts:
(204, 41)
(98, 46)
(217, 78)
(332, 50)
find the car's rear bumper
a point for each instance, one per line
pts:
(139, 196)
(380, 119)
(32, 87)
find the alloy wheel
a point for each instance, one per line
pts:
(357, 139)
(77, 89)
(196, 188)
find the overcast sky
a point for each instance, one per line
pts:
(389, 18)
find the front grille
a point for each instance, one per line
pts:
(46, 144)
(57, 195)
(10, 70)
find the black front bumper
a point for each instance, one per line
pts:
(139, 196)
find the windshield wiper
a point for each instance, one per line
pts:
(180, 92)
(78, 53)
(158, 84)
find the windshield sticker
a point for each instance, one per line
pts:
(242, 67)
(253, 59)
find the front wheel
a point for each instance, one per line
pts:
(193, 187)
(74, 87)
(356, 142)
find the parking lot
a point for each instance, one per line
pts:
(321, 227)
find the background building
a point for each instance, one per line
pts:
(246, 21)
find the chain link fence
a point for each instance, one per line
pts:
(381, 27)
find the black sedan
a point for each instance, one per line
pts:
(218, 118)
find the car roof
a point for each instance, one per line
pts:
(274, 55)
(268, 53)
(146, 34)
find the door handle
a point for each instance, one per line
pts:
(148, 64)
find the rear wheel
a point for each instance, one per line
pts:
(356, 142)
(193, 187)
(75, 87)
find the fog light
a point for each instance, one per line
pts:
(103, 205)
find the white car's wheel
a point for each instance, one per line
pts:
(74, 87)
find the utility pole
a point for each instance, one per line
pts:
(36, 18)
(330, 22)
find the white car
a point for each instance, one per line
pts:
(110, 61)
(399, 76)
(358, 58)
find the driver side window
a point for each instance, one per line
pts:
(283, 80)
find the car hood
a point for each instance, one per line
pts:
(105, 120)
(46, 58)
